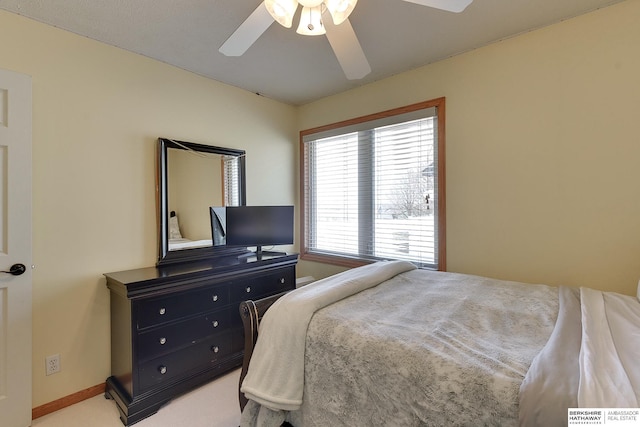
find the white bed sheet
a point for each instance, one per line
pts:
(188, 244)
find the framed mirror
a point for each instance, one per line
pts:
(190, 179)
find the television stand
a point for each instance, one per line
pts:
(259, 253)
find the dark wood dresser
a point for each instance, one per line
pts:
(175, 327)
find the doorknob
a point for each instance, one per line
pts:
(16, 269)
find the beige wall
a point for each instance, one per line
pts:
(542, 170)
(543, 149)
(97, 112)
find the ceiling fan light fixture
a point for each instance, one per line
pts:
(311, 22)
(340, 9)
(282, 11)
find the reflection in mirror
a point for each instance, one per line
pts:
(197, 180)
(193, 177)
(218, 216)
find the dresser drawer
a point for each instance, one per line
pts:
(254, 287)
(169, 337)
(174, 365)
(155, 311)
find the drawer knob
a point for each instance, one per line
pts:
(282, 280)
(162, 311)
(214, 298)
(248, 289)
(215, 349)
(215, 323)
(162, 369)
(163, 341)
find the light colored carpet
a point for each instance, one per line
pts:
(213, 405)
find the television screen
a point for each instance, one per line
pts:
(259, 225)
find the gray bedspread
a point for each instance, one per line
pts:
(423, 348)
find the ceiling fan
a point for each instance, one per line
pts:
(318, 17)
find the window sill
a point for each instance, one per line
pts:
(342, 261)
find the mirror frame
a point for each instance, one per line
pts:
(165, 256)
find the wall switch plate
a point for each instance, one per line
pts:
(52, 364)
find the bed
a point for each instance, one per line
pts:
(389, 344)
(177, 241)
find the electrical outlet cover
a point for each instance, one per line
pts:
(52, 364)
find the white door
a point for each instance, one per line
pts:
(15, 249)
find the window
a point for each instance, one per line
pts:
(373, 188)
(231, 180)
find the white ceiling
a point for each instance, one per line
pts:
(395, 35)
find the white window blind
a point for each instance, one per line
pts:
(231, 175)
(371, 190)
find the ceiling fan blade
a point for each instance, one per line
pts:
(248, 32)
(347, 48)
(456, 6)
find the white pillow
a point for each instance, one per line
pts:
(174, 228)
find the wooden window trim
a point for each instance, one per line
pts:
(439, 103)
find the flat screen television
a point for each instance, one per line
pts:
(259, 226)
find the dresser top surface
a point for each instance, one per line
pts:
(219, 265)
